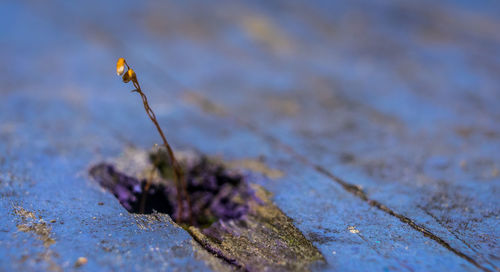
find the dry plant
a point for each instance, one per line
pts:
(128, 75)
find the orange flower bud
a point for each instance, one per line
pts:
(120, 66)
(128, 76)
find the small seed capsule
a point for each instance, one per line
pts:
(128, 76)
(120, 66)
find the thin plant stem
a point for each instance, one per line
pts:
(179, 175)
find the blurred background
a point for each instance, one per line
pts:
(399, 98)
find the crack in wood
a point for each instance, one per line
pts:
(454, 234)
(351, 188)
(355, 190)
(206, 245)
(234, 220)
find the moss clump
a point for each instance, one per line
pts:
(232, 219)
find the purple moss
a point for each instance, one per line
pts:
(128, 190)
(215, 192)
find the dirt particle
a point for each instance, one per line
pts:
(29, 223)
(352, 229)
(81, 261)
(24, 214)
(100, 203)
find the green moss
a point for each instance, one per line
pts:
(265, 239)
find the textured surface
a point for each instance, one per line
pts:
(383, 118)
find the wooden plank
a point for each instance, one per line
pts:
(410, 126)
(292, 88)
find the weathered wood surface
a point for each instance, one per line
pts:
(383, 117)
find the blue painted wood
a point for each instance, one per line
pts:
(397, 98)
